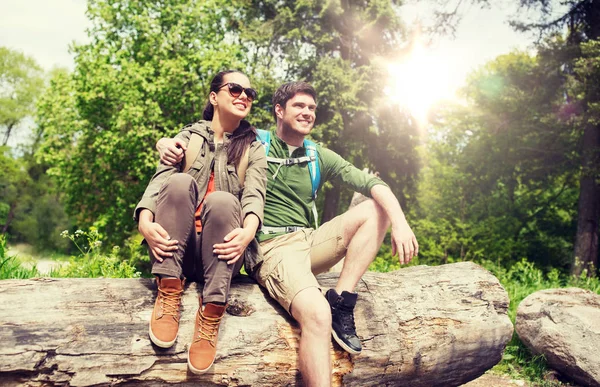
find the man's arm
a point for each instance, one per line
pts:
(403, 239)
(171, 150)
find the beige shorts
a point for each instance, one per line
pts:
(291, 261)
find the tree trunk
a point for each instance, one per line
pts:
(332, 200)
(9, 217)
(9, 128)
(586, 239)
(420, 326)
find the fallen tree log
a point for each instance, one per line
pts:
(420, 326)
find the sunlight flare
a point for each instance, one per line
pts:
(419, 80)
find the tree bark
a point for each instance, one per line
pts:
(9, 129)
(9, 217)
(332, 200)
(586, 239)
(420, 326)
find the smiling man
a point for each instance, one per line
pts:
(293, 252)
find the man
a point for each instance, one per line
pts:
(293, 252)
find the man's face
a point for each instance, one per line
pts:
(298, 114)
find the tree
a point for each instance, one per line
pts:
(14, 182)
(341, 48)
(20, 82)
(144, 75)
(499, 183)
(581, 21)
(146, 72)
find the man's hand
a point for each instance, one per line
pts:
(158, 240)
(404, 242)
(171, 150)
(235, 244)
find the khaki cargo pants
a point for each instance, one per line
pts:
(291, 261)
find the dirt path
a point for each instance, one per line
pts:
(45, 266)
(24, 253)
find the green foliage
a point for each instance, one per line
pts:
(91, 261)
(144, 75)
(146, 71)
(500, 177)
(341, 48)
(14, 181)
(31, 210)
(11, 267)
(21, 80)
(521, 280)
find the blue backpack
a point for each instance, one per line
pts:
(264, 136)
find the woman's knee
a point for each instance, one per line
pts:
(179, 183)
(178, 189)
(222, 199)
(223, 204)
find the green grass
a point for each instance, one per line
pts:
(521, 280)
(91, 262)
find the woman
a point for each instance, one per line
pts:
(198, 223)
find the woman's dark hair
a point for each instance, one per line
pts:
(243, 135)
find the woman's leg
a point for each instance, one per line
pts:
(175, 208)
(220, 215)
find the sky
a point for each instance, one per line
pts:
(44, 30)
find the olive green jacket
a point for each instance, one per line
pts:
(211, 157)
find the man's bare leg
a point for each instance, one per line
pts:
(365, 227)
(313, 314)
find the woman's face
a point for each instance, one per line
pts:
(226, 103)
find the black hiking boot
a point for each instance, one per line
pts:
(342, 320)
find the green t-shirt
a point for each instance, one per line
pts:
(289, 195)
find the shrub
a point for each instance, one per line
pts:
(11, 267)
(91, 261)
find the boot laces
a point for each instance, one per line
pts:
(347, 317)
(207, 328)
(170, 302)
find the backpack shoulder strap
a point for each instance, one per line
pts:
(193, 149)
(313, 165)
(264, 136)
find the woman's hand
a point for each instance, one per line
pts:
(171, 150)
(156, 236)
(235, 244)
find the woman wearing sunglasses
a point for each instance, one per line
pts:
(198, 223)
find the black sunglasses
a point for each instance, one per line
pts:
(235, 90)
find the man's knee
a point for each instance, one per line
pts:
(367, 212)
(373, 210)
(312, 312)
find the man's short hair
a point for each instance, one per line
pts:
(288, 90)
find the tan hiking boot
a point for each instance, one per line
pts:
(164, 322)
(203, 349)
